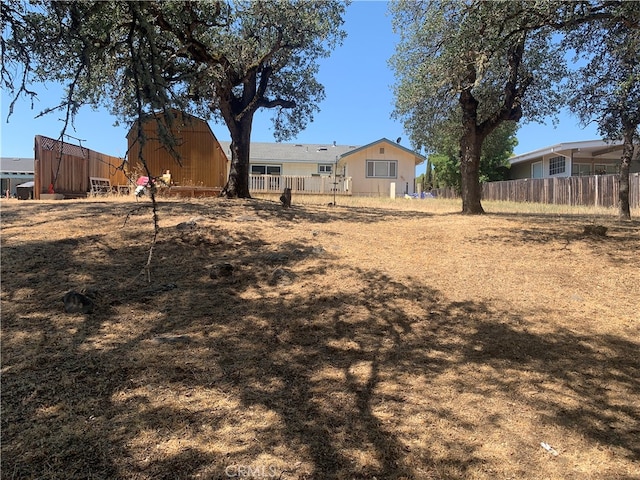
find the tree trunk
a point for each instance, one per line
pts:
(624, 210)
(238, 183)
(470, 151)
(471, 190)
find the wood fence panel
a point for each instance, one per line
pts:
(634, 189)
(68, 167)
(596, 190)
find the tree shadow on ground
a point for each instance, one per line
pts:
(618, 245)
(192, 375)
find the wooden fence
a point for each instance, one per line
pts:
(66, 168)
(594, 190)
(300, 184)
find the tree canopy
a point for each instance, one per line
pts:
(479, 64)
(494, 158)
(606, 89)
(213, 58)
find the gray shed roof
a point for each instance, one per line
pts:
(17, 165)
(293, 152)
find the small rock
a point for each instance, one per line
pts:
(159, 288)
(221, 270)
(281, 277)
(187, 226)
(599, 230)
(75, 302)
(172, 339)
(276, 257)
(246, 218)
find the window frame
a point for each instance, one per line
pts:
(576, 170)
(557, 165)
(533, 169)
(266, 167)
(325, 166)
(389, 174)
(608, 168)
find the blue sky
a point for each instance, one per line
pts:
(359, 101)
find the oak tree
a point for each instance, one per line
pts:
(480, 64)
(606, 88)
(225, 59)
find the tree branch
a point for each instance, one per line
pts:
(279, 102)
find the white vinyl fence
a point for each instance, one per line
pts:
(312, 184)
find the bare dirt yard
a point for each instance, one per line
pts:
(388, 340)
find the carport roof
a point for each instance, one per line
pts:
(593, 148)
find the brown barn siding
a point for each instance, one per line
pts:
(202, 161)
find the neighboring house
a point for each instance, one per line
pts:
(375, 166)
(295, 159)
(202, 163)
(14, 172)
(591, 157)
(368, 170)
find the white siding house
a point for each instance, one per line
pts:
(322, 168)
(592, 157)
(15, 171)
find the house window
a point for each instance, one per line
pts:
(580, 169)
(382, 169)
(606, 169)
(325, 168)
(556, 165)
(266, 169)
(537, 170)
(381, 150)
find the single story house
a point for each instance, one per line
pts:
(590, 157)
(368, 170)
(375, 166)
(293, 158)
(13, 172)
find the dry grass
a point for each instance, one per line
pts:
(388, 340)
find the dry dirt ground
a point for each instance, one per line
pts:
(387, 341)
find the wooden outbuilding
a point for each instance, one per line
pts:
(200, 166)
(66, 169)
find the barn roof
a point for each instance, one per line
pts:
(176, 114)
